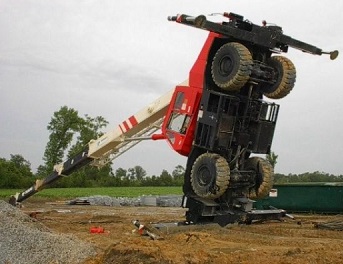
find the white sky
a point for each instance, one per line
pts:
(111, 58)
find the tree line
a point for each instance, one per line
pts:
(69, 133)
(16, 173)
(307, 177)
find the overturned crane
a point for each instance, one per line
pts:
(217, 118)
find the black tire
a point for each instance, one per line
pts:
(210, 176)
(264, 177)
(285, 78)
(231, 66)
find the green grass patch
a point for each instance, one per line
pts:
(60, 193)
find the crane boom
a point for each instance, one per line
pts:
(109, 146)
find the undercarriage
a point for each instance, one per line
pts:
(241, 211)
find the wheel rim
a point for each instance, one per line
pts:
(285, 76)
(204, 176)
(210, 176)
(264, 177)
(225, 66)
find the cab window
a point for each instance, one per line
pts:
(179, 123)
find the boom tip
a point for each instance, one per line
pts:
(13, 201)
(334, 54)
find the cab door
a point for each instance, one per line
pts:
(179, 124)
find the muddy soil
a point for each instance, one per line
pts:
(290, 241)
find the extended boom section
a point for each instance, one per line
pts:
(99, 152)
(136, 128)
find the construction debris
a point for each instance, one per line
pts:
(146, 231)
(163, 201)
(331, 225)
(169, 201)
(97, 230)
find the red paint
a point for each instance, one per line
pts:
(126, 126)
(133, 121)
(197, 73)
(158, 137)
(181, 141)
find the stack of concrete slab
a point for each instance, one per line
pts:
(106, 201)
(149, 200)
(169, 201)
(145, 200)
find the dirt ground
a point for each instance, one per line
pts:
(291, 241)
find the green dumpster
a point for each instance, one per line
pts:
(305, 197)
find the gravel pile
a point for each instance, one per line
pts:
(24, 240)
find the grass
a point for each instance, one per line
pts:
(60, 193)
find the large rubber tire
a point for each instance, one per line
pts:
(264, 177)
(231, 66)
(286, 76)
(210, 176)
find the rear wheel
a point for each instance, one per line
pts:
(231, 66)
(264, 177)
(285, 78)
(210, 176)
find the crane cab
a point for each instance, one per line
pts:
(181, 118)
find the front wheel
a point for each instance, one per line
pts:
(231, 66)
(210, 176)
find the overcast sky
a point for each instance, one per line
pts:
(112, 58)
